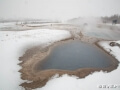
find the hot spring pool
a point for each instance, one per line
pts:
(74, 55)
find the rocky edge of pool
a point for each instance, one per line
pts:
(34, 56)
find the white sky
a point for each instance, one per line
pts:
(57, 9)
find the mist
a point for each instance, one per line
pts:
(57, 9)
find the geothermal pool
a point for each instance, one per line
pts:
(74, 55)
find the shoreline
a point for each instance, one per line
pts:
(34, 55)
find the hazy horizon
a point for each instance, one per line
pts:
(57, 9)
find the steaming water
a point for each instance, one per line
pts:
(109, 35)
(108, 32)
(75, 55)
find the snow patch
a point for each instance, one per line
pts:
(13, 44)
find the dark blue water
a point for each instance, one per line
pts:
(74, 55)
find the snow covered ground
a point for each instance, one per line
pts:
(5, 25)
(10, 26)
(13, 45)
(41, 24)
(96, 81)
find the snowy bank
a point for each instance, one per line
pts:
(13, 44)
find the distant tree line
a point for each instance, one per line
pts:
(114, 19)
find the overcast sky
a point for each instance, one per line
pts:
(57, 9)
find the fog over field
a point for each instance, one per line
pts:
(57, 9)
